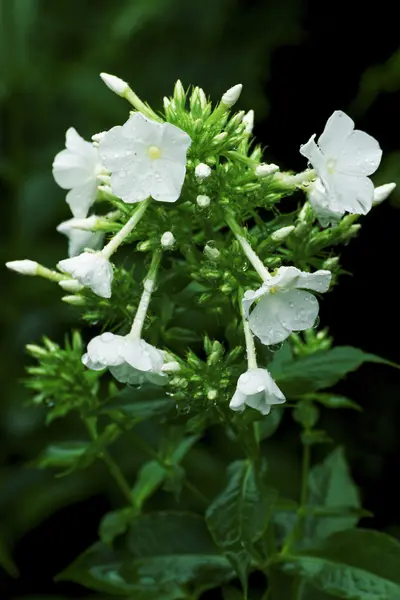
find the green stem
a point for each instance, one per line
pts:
(117, 240)
(247, 249)
(113, 468)
(148, 288)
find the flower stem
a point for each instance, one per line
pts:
(117, 240)
(248, 336)
(140, 105)
(292, 181)
(148, 285)
(247, 249)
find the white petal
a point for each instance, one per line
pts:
(76, 144)
(298, 310)
(286, 277)
(81, 198)
(238, 402)
(135, 184)
(253, 381)
(259, 402)
(144, 131)
(175, 143)
(323, 205)
(250, 296)
(136, 354)
(104, 351)
(116, 149)
(71, 170)
(167, 180)
(80, 239)
(318, 281)
(264, 321)
(275, 395)
(124, 373)
(91, 270)
(360, 155)
(311, 151)
(355, 194)
(338, 127)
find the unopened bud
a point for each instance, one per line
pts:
(36, 351)
(74, 300)
(331, 263)
(24, 267)
(115, 84)
(264, 170)
(232, 95)
(382, 192)
(248, 121)
(166, 102)
(104, 178)
(282, 234)
(179, 92)
(144, 246)
(167, 240)
(203, 201)
(212, 394)
(202, 171)
(171, 367)
(71, 285)
(211, 252)
(220, 137)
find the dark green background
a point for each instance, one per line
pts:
(298, 62)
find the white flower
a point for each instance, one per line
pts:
(203, 201)
(76, 169)
(382, 192)
(92, 270)
(80, 239)
(202, 171)
(283, 305)
(232, 95)
(256, 389)
(145, 158)
(115, 84)
(25, 267)
(343, 159)
(319, 201)
(131, 361)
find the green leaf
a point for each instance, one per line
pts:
(241, 512)
(99, 568)
(63, 454)
(151, 475)
(113, 524)
(266, 427)
(331, 486)
(139, 403)
(336, 401)
(356, 564)
(6, 561)
(174, 548)
(319, 370)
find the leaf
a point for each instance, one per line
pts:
(331, 486)
(319, 370)
(114, 523)
(357, 564)
(6, 561)
(174, 548)
(241, 512)
(99, 568)
(266, 427)
(63, 454)
(151, 475)
(336, 401)
(139, 403)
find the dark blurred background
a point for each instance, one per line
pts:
(298, 61)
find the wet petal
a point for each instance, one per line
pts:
(337, 129)
(70, 170)
(265, 323)
(318, 281)
(298, 310)
(360, 154)
(81, 198)
(238, 402)
(104, 350)
(355, 193)
(167, 180)
(311, 151)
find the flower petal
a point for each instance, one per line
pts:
(140, 355)
(91, 269)
(174, 143)
(318, 281)
(144, 131)
(286, 277)
(135, 184)
(71, 170)
(80, 239)
(104, 350)
(124, 373)
(360, 154)
(311, 151)
(355, 193)
(81, 198)
(250, 296)
(77, 145)
(238, 402)
(117, 150)
(338, 127)
(323, 205)
(265, 323)
(298, 310)
(167, 180)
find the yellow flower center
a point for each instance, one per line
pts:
(154, 152)
(330, 165)
(273, 290)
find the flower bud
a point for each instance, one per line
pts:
(179, 93)
(211, 252)
(167, 240)
(115, 84)
(232, 95)
(264, 170)
(202, 171)
(74, 300)
(248, 121)
(282, 234)
(382, 192)
(166, 102)
(220, 137)
(203, 201)
(24, 267)
(71, 285)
